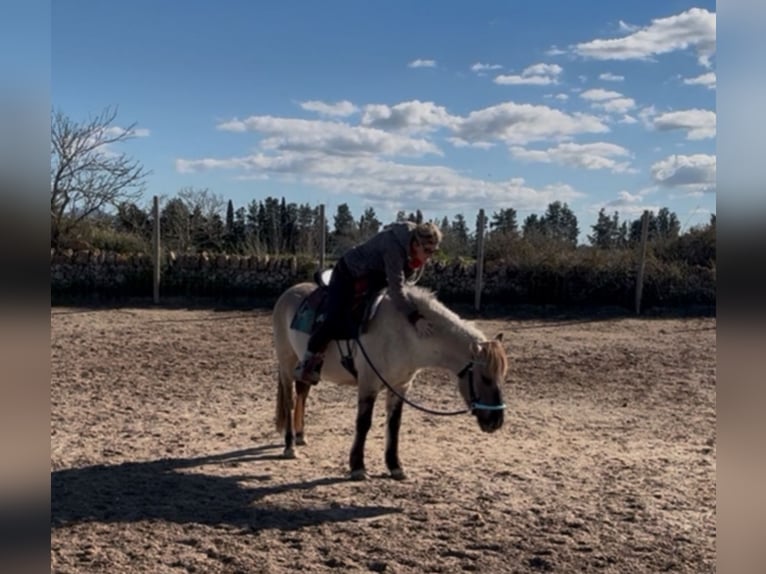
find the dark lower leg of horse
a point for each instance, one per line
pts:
(393, 425)
(289, 451)
(363, 424)
(299, 415)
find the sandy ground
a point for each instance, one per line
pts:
(164, 457)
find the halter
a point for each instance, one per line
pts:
(475, 404)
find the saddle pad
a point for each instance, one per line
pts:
(310, 311)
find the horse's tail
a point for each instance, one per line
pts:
(286, 357)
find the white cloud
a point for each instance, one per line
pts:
(381, 181)
(700, 124)
(629, 205)
(363, 160)
(422, 64)
(329, 137)
(479, 68)
(457, 142)
(598, 155)
(338, 109)
(625, 27)
(116, 131)
(522, 123)
(646, 116)
(609, 77)
(536, 75)
(599, 95)
(409, 117)
(708, 80)
(560, 97)
(695, 28)
(617, 105)
(608, 100)
(627, 119)
(555, 51)
(107, 149)
(692, 173)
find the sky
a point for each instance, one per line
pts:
(446, 107)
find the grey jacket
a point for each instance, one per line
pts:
(383, 259)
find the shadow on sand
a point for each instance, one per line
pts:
(161, 490)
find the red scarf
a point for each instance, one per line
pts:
(414, 262)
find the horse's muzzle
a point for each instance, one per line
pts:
(489, 421)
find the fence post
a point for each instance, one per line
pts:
(156, 250)
(322, 238)
(642, 260)
(479, 259)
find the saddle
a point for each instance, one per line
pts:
(312, 309)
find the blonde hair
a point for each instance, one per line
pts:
(427, 234)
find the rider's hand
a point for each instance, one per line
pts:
(423, 327)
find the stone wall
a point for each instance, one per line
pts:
(105, 275)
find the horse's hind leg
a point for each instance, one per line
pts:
(299, 414)
(284, 414)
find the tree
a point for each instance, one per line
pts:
(229, 234)
(668, 226)
(176, 225)
(288, 220)
(132, 219)
(664, 225)
(458, 238)
(606, 231)
(504, 222)
(560, 224)
(369, 224)
(207, 227)
(533, 228)
(88, 174)
(344, 221)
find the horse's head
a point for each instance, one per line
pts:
(480, 383)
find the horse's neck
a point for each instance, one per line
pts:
(452, 349)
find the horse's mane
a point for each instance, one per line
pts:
(438, 314)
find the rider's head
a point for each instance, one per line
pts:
(426, 237)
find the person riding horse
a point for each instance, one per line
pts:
(388, 259)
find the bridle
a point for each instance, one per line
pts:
(467, 370)
(475, 404)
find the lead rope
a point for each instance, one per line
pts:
(405, 399)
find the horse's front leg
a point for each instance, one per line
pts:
(365, 405)
(393, 423)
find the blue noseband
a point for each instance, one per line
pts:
(475, 404)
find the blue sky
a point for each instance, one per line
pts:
(442, 106)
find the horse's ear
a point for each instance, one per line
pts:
(499, 337)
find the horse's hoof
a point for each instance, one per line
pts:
(289, 453)
(398, 474)
(359, 474)
(299, 440)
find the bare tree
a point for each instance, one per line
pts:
(87, 173)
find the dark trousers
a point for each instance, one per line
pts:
(340, 298)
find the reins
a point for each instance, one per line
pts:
(475, 405)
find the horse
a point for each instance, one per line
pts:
(391, 355)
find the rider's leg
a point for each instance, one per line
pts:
(339, 295)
